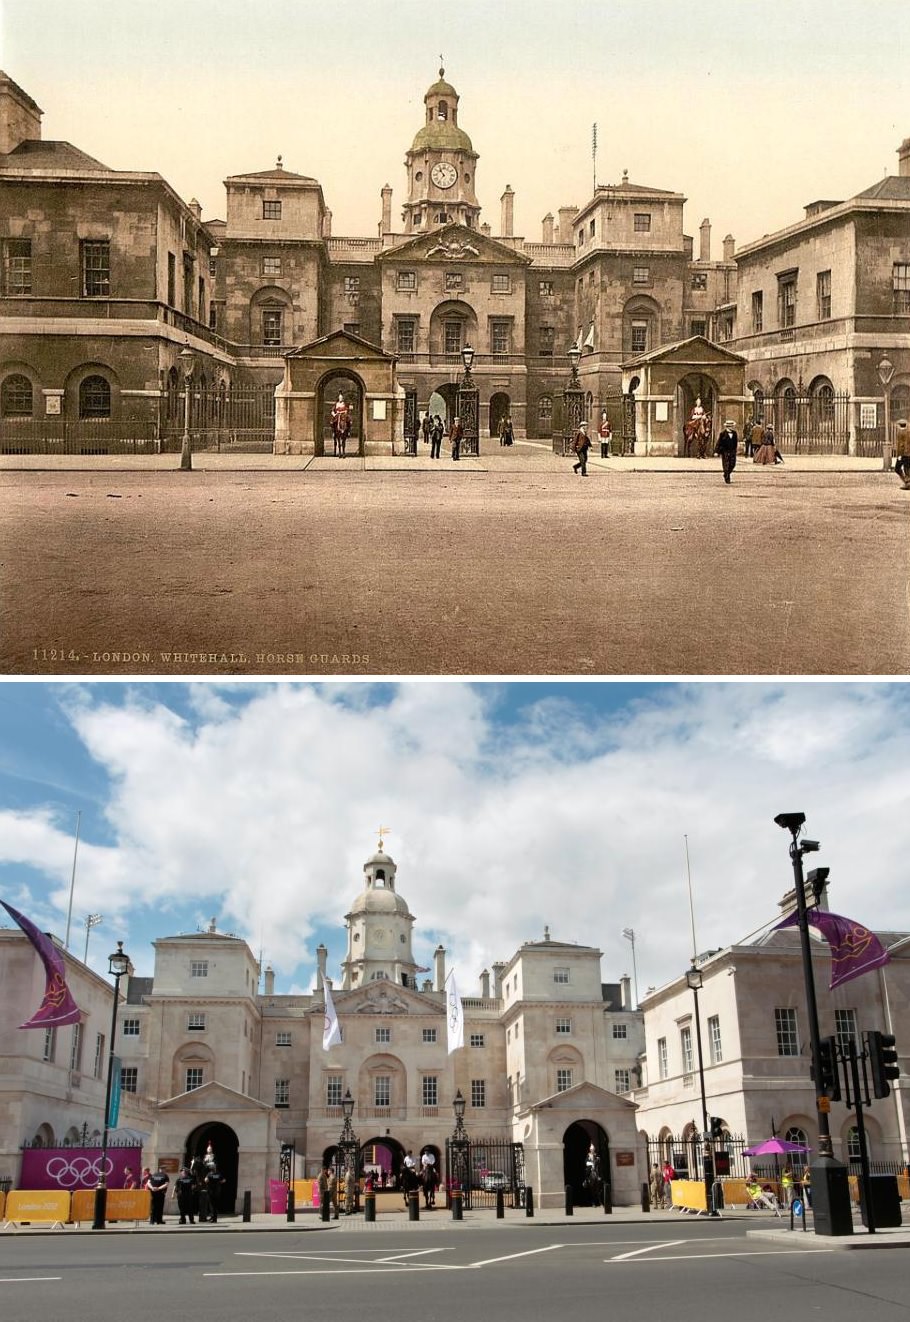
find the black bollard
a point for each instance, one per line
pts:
(247, 1205)
(100, 1221)
(608, 1200)
(324, 1207)
(290, 1202)
(570, 1210)
(645, 1197)
(529, 1200)
(500, 1205)
(457, 1212)
(369, 1206)
(414, 1205)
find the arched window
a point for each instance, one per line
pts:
(95, 398)
(442, 111)
(853, 1152)
(545, 411)
(16, 396)
(796, 1135)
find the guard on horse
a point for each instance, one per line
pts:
(341, 425)
(697, 431)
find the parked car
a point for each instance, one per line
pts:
(493, 1180)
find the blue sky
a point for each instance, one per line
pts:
(511, 807)
(751, 108)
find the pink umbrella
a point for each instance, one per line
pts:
(774, 1145)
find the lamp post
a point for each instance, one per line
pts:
(349, 1146)
(831, 1211)
(469, 405)
(118, 965)
(91, 920)
(458, 1150)
(573, 398)
(885, 373)
(188, 364)
(629, 934)
(695, 980)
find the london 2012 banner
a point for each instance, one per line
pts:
(58, 1007)
(78, 1168)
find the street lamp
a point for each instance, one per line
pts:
(573, 398)
(629, 934)
(831, 1211)
(91, 920)
(188, 364)
(118, 965)
(469, 404)
(349, 1146)
(458, 1150)
(885, 373)
(695, 980)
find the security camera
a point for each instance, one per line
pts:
(790, 821)
(809, 846)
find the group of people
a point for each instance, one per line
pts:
(792, 1186)
(423, 1176)
(662, 1177)
(433, 429)
(197, 1189)
(759, 443)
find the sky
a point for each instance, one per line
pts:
(751, 108)
(512, 807)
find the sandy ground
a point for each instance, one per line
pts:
(511, 568)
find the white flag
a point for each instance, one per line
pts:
(331, 1032)
(454, 1014)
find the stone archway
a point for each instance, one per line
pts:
(225, 1146)
(696, 385)
(383, 1154)
(346, 383)
(444, 401)
(576, 1142)
(500, 407)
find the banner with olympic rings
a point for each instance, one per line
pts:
(77, 1168)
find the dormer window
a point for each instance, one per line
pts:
(442, 110)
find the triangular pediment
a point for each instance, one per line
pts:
(585, 1096)
(343, 345)
(697, 351)
(384, 997)
(213, 1097)
(454, 243)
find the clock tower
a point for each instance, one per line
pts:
(379, 927)
(440, 166)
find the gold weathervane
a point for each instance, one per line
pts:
(383, 830)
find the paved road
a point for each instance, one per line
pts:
(681, 1270)
(511, 568)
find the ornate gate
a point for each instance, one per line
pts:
(482, 1166)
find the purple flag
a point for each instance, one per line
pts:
(58, 1007)
(854, 949)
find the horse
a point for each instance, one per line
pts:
(697, 434)
(341, 430)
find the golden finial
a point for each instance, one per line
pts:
(383, 830)
(442, 72)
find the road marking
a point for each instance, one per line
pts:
(18, 1280)
(508, 1257)
(745, 1253)
(362, 1270)
(662, 1244)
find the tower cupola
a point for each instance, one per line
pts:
(379, 926)
(440, 166)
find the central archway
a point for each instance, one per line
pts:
(225, 1146)
(351, 387)
(576, 1142)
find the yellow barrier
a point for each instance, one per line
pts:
(37, 1206)
(735, 1193)
(122, 1205)
(689, 1194)
(304, 1193)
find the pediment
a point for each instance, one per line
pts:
(213, 1097)
(585, 1096)
(384, 997)
(343, 345)
(697, 351)
(455, 243)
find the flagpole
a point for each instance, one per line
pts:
(69, 912)
(691, 905)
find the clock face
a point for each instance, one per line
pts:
(379, 935)
(443, 174)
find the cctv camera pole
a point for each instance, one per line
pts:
(831, 1209)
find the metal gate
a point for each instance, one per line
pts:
(686, 1155)
(223, 419)
(482, 1166)
(810, 424)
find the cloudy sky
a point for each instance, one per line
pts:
(511, 807)
(752, 108)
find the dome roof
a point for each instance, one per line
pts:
(380, 857)
(443, 135)
(441, 88)
(379, 899)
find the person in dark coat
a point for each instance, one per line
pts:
(455, 437)
(727, 443)
(157, 1186)
(437, 431)
(581, 445)
(185, 1189)
(214, 1183)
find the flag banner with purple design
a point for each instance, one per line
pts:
(58, 1007)
(854, 949)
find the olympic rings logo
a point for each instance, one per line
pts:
(77, 1172)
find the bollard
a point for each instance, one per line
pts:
(323, 1206)
(570, 1210)
(99, 1222)
(290, 1202)
(247, 1205)
(413, 1205)
(500, 1205)
(608, 1200)
(369, 1206)
(457, 1212)
(645, 1197)
(529, 1201)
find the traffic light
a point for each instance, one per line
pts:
(717, 1127)
(882, 1061)
(829, 1083)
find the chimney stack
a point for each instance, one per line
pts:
(625, 992)
(485, 984)
(269, 980)
(386, 194)
(321, 956)
(485, 229)
(327, 224)
(704, 246)
(20, 116)
(903, 158)
(196, 207)
(508, 212)
(439, 957)
(566, 220)
(497, 979)
(548, 227)
(729, 247)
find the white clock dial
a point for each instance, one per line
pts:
(379, 935)
(443, 174)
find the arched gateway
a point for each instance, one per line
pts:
(314, 376)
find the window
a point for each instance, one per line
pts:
(429, 1035)
(796, 1135)
(478, 1093)
(563, 1026)
(50, 1044)
(787, 1039)
(407, 279)
(282, 1093)
(845, 1027)
(641, 275)
(407, 335)
(642, 222)
(593, 227)
(333, 1090)
(547, 341)
(854, 1151)
(430, 1091)
(382, 1090)
(622, 1080)
(823, 295)
(500, 335)
(476, 1040)
(199, 968)
(581, 237)
(213, 316)
(271, 266)
(545, 288)
(16, 396)
(195, 1077)
(620, 1030)
(563, 1079)
(786, 300)
(283, 1037)
(17, 266)
(725, 326)
(758, 302)
(715, 1046)
(352, 284)
(195, 1022)
(502, 284)
(98, 1064)
(382, 1035)
(76, 1048)
(271, 325)
(685, 1047)
(171, 279)
(699, 280)
(545, 412)
(94, 398)
(271, 209)
(454, 281)
(454, 335)
(900, 278)
(441, 217)
(129, 1078)
(698, 326)
(561, 975)
(639, 337)
(351, 327)
(96, 267)
(663, 1068)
